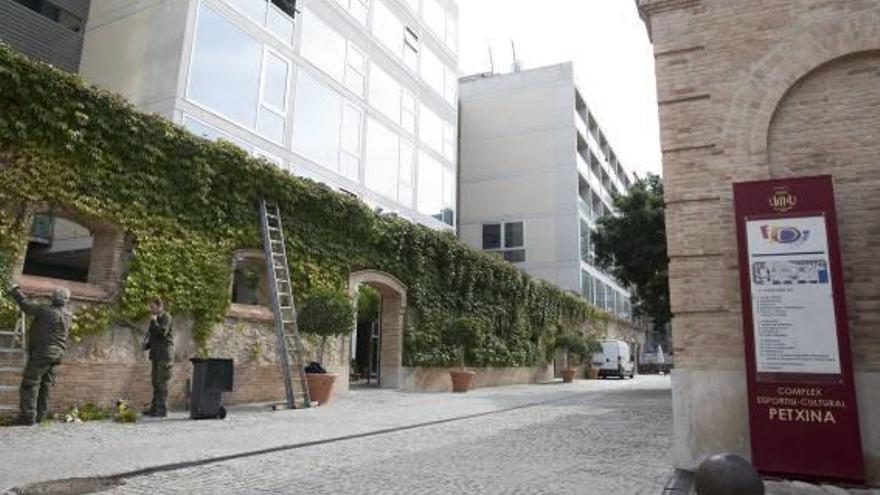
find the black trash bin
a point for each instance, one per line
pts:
(211, 377)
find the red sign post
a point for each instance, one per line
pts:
(802, 402)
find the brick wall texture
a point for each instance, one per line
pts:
(756, 89)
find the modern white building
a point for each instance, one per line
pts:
(536, 173)
(358, 94)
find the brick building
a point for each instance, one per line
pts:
(749, 90)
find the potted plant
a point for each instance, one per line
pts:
(593, 347)
(325, 313)
(574, 347)
(463, 333)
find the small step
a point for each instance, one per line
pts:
(12, 369)
(11, 351)
(7, 333)
(8, 388)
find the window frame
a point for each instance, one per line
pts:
(264, 24)
(262, 103)
(504, 250)
(355, 154)
(361, 71)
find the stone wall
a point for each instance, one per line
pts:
(103, 369)
(437, 379)
(748, 90)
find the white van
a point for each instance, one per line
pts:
(616, 359)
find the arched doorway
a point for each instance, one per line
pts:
(389, 344)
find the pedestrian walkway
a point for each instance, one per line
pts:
(510, 429)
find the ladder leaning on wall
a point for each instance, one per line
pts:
(13, 355)
(290, 348)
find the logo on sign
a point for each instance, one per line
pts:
(785, 235)
(782, 199)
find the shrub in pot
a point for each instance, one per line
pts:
(463, 333)
(574, 347)
(325, 313)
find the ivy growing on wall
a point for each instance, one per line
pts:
(187, 204)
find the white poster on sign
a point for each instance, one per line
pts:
(792, 299)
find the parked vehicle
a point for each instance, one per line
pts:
(616, 359)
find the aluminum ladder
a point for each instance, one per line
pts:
(290, 347)
(13, 355)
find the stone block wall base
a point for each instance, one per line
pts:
(103, 383)
(437, 379)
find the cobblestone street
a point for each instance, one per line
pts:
(602, 437)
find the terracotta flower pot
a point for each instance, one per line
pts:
(320, 386)
(568, 375)
(461, 380)
(592, 373)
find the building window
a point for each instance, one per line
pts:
(318, 110)
(507, 239)
(59, 249)
(389, 164)
(403, 41)
(411, 49)
(340, 59)
(587, 253)
(431, 128)
(383, 160)
(52, 12)
(408, 111)
(406, 188)
(324, 47)
(587, 287)
(433, 72)
(436, 189)
(276, 15)
(327, 128)
(451, 93)
(356, 8)
(273, 97)
(234, 76)
(435, 17)
(225, 62)
(392, 99)
(355, 70)
(442, 23)
(350, 153)
(250, 285)
(82, 254)
(450, 139)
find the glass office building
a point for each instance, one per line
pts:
(358, 94)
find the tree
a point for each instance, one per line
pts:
(326, 313)
(632, 246)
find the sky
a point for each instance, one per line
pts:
(608, 44)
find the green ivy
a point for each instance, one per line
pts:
(187, 204)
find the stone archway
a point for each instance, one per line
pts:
(392, 322)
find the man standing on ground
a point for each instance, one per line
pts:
(47, 341)
(160, 343)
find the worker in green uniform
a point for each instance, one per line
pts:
(160, 343)
(46, 343)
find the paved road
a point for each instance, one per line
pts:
(611, 439)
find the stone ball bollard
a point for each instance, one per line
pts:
(728, 474)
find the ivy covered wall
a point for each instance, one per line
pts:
(187, 204)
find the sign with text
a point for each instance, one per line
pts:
(802, 405)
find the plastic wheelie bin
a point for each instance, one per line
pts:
(211, 377)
